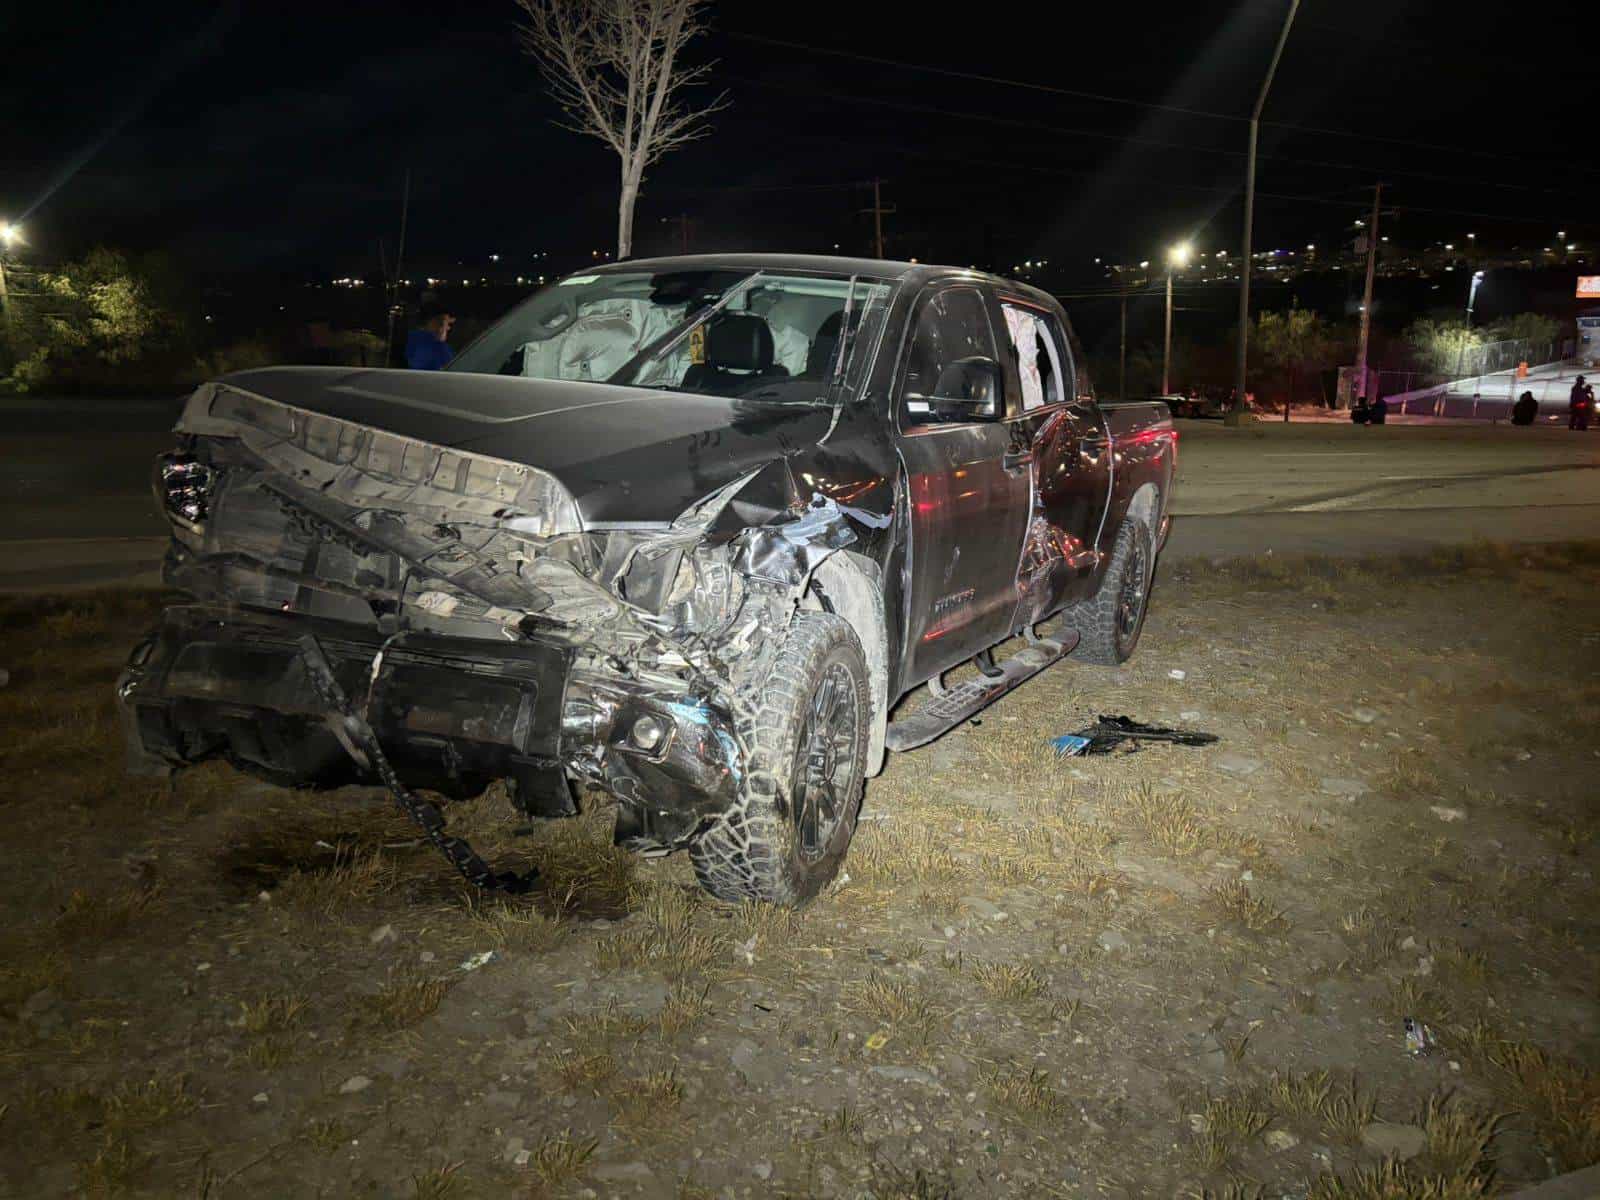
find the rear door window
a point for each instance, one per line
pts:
(1043, 362)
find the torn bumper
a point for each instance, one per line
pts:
(452, 714)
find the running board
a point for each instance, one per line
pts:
(943, 713)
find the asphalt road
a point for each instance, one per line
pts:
(76, 509)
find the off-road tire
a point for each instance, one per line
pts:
(755, 850)
(1105, 635)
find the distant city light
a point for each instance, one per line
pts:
(1311, 245)
(1472, 237)
(1449, 245)
(1561, 234)
(1144, 262)
(1572, 245)
(494, 258)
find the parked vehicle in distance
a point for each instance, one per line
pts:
(684, 530)
(1194, 405)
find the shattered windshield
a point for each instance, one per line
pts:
(753, 335)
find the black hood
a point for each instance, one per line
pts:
(626, 454)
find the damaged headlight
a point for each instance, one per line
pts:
(183, 488)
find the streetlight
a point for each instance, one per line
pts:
(1177, 257)
(10, 235)
(1472, 294)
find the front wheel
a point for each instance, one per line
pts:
(1110, 621)
(787, 834)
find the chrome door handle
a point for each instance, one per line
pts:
(1015, 460)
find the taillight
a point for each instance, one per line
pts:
(183, 487)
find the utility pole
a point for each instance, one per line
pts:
(878, 212)
(682, 222)
(1166, 345)
(1122, 357)
(1249, 221)
(1366, 293)
(399, 260)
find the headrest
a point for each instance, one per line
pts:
(738, 342)
(819, 358)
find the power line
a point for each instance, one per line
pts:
(1103, 98)
(1042, 127)
(1354, 205)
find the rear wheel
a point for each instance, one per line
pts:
(788, 833)
(1109, 622)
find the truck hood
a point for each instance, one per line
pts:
(625, 454)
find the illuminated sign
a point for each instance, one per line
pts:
(1589, 287)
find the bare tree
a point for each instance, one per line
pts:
(614, 67)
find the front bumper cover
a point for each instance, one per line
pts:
(452, 714)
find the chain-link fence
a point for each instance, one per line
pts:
(1481, 381)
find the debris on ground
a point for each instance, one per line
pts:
(1419, 1038)
(1108, 733)
(481, 959)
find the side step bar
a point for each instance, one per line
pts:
(944, 712)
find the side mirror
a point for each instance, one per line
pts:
(968, 390)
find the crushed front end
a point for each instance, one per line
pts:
(478, 630)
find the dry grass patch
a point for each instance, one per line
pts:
(1561, 1095)
(404, 1001)
(115, 1168)
(65, 1113)
(98, 917)
(684, 1008)
(771, 925)
(270, 1022)
(1234, 901)
(897, 1005)
(1301, 1096)
(511, 926)
(327, 1134)
(1227, 1123)
(356, 876)
(1027, 1093)
(1347, 1111)
(650, 1098)
(1011, 981)
(277, 1012)
(437, 1183)
(581, 871)
(559, 1158)
(665, 935)
(1392, 1181)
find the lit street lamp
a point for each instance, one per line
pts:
(1472, 294)
(10, 235)
(1176, 257)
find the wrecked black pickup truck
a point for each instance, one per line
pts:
(685, 530)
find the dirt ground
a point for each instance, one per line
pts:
(1181, 971)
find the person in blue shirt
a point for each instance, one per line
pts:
(427, 348)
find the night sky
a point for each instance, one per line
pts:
(252, 137)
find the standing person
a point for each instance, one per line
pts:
(1525, 410)
(427, 349)
(1581, 405)
(1360, 411)
(1380, 412)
